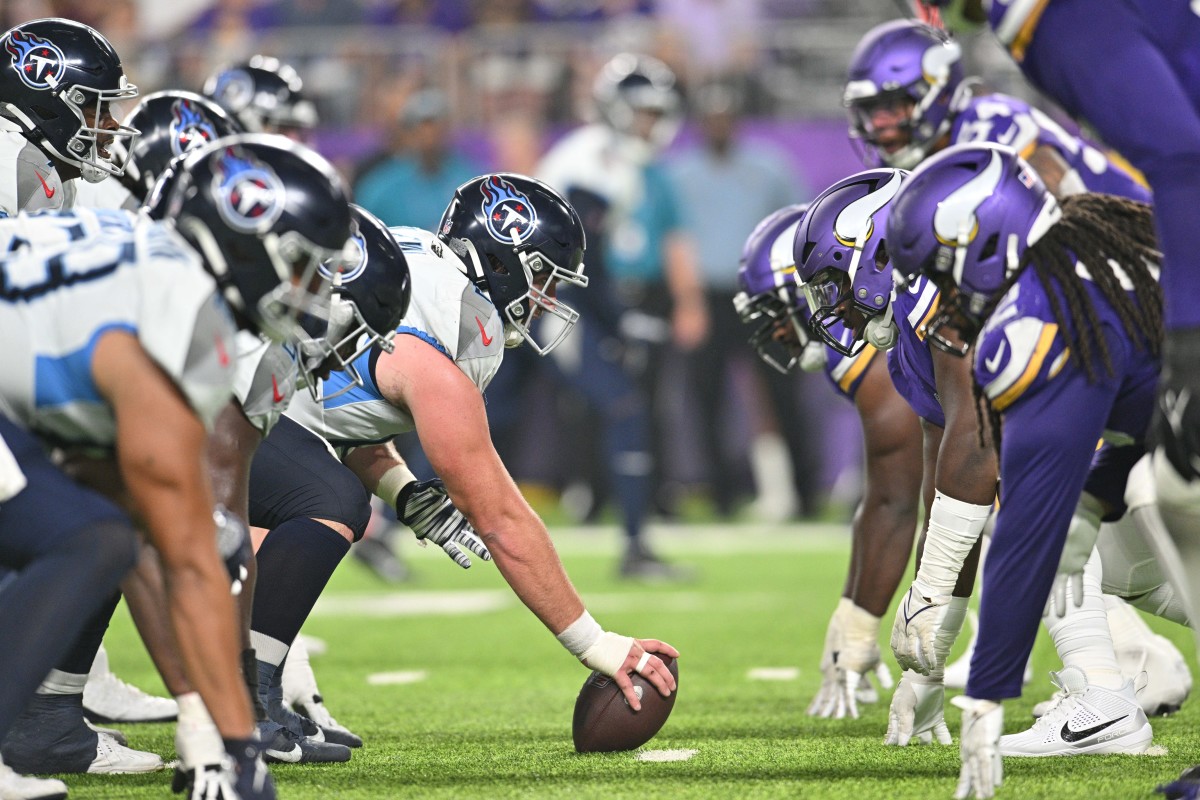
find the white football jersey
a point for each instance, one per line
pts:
(68, 277)
(265, 380)
(447, 312)
(108, 193)
(28, 178)
(594, 158)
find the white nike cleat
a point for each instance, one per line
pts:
(113, 732)
(21, 787)
(1168, 680)
(107, 698)
(113, 758)
(1084, 719)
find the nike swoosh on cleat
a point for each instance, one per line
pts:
(291, 755)
(1071, 736)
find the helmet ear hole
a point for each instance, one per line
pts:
(496, 264)
(989, 247)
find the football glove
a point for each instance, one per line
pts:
(919, 619)
(233, 543)
(916, 712)
(1081, 541)
(425, 507)
(210, 782)
(982, 771)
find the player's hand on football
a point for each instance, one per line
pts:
(425, 507)
(643, 661)
(917, 712)
(982, 771)
(915, 641)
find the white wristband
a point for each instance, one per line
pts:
(954, 527)
(392, 481)
(580, 635)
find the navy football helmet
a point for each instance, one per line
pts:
(265, 96)
(171, 124)
(519, 239)
(371, 291)
(62, 85)
(630, 83)
(267, 215)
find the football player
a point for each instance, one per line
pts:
(908, 99)
(105, 308)
(886, 520)
(61, 87)
(1131, 71)
(605, 171)
(486, 280)
(1062, 305)
(265, 96)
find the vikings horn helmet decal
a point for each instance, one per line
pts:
(510, 216)
(39, 62)
(955, 215)
(856, 219)
(250, 193)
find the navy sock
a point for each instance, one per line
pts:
(295, 562)
(78, 660)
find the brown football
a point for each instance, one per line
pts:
(605, 723)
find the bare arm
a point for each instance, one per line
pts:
(160, 447)
(1055, 172)
(886, 520)
(451, 423)
(689, 313)
(966, 467)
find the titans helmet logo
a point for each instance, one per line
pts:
(350, 268)
(510, 216)
(249, 193)
(190, 128)
(38, 61)
(234, 89)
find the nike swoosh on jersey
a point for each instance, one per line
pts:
(1071, 736)
(994, 361)
(482, 333)
(49, 192)
(275, 393)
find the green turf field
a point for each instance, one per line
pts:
(492, 717)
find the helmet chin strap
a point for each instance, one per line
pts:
(813, 358)
(880, 333)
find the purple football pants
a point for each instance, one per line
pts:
(1132, 69)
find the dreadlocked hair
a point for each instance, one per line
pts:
(1102, 231)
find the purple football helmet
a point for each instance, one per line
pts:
(843, 261)
(965, 218)
(772, 294)
(905, 77)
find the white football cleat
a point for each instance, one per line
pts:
(107, 698)
(1138, 650)
(114, 758)
(1168, 680)
(1084, 719)
(119, 737)
(21, 787)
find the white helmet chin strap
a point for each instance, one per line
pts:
(880, 333)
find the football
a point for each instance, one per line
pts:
(605, 723)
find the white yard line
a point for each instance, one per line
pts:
(773, 673)
(665, 755)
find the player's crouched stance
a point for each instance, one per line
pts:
(487, 279)
(1063, 311)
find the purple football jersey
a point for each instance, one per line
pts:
(846, 372)
(1014, 123)
(910, 362)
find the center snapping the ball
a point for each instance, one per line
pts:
(604, 722)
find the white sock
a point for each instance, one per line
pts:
(268, 649)
(1082, 637)
(59, 682)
